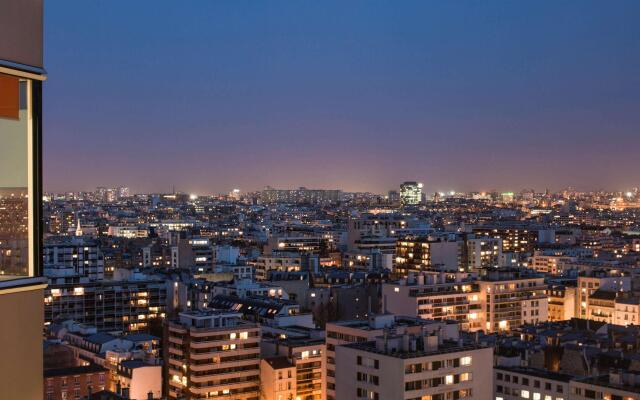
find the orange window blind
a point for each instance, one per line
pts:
(9, 97)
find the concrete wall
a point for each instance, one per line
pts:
(21, 31)
(21, 337)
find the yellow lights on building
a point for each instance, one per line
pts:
(79, 291)
(503, 325)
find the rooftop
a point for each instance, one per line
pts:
(444, 348)
(279, 362)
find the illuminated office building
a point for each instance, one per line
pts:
(410, 193)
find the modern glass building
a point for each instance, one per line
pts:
(21, 282)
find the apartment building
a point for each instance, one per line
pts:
(483, 253)
(373, 225)
(516, 237)
(301, 195)
(433, 363)
(305, 244)
(437, 296)
(627, 310)
(591, 281)
(212, 353)
(516, 383)
(139, 379)
(74, 382)
(277, 378)
(512, 297)
(73, 255)
(419, 253)
(550, 264)
(562, 302)
(615, 385)
(267, 263)
(356, 331)
(306, 358)
(21, 282)
(128, 305)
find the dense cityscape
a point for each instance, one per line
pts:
(124, 277)
(323, 294)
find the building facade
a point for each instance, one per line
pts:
(212, 354)
(432, 364)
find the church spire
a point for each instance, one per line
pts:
(78, 228)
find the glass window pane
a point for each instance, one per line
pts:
(15, 178)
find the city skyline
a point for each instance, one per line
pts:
(319, 201)
(359, 96)
(426, 190)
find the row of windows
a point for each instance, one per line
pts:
(368, 362)
(525, 394)
(525, 382)
(436, 365)
(438, 381)
(454, 395)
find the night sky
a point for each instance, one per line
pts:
(461, 95)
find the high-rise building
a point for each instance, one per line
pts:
(212, 354)
(410, 193)
(21, 285)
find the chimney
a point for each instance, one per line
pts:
(406, 342)
(431, 343)
(150, 395)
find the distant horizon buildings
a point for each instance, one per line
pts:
(507, 193)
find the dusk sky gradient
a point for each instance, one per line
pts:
(356, 95)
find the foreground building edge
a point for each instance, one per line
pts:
(22, 288)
